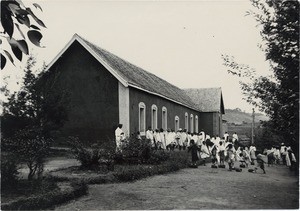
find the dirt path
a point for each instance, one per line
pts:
(202, 188)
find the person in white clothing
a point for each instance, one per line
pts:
(226, 136)
(218, 139)
(201, 137)
(157, 139)
(204, 152)
(195, 138)
(119, 136)
(235, 140)
(162, 138)
(149, 136)
(184, 139)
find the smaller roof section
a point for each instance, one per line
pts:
(207, 99)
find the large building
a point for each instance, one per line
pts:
(105, 90)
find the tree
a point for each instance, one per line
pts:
(14, 15)
(29, 117)
(276, 95)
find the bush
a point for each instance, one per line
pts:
(47, 199)
(28, 146)
(176, 161)
(158, 156)
(9, 171)
(94, 156)
(135, 151)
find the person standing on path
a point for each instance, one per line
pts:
(204, 153)
(193, 148)
(235, 140)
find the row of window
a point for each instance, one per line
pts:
(154, 111)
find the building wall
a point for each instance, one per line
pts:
(206, 122)
(136, 96)
(93, 111)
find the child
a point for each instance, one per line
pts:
(222, 154)
(291, 161)
(214, 159)
(204, 152)
(193, 148)
(260, 159)
(230, 156)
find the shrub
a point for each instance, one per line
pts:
(47, 199)
(135, 150)
(158, 156)
(9, 171)
(28, 146)
(93, 156)
(176, 161)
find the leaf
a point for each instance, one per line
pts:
(22, 44)
(34, 27)
(35, 18)
(23, 19)
(9, 56)
(6, 20)
(37, 6)
(17, 25)
(3, 61)
(15, 49)
(14, 7)
(20, 2)
(18, 47)
(35, 37)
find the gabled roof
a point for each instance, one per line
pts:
(207, 99)
(131, 75)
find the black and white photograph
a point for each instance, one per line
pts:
(149, 105)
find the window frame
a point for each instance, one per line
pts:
(142, 106)
(177, 126)
(154, 117)
(192, 123)
(164, 119)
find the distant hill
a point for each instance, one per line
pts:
(238, 117)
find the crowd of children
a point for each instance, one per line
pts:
(220, 150)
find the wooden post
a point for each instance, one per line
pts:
(252, 126)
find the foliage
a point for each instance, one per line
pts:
(177, 161)
(93, 156)
(45, 195)
(135, 150)
(14, 16)
(9, 170)
(264, 137)
(138, 151)
(33, 107)
(30, 147)
(276, 95)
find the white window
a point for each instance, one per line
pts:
(164, 118)
(192, 123)
(154, 117)
(176, 123)
(186, 121)
(196, 124)
(142, 118)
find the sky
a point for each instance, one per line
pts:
(179, 41)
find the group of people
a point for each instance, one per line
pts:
(281, 155)
(220, 149)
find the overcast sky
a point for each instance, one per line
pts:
(179, 41)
